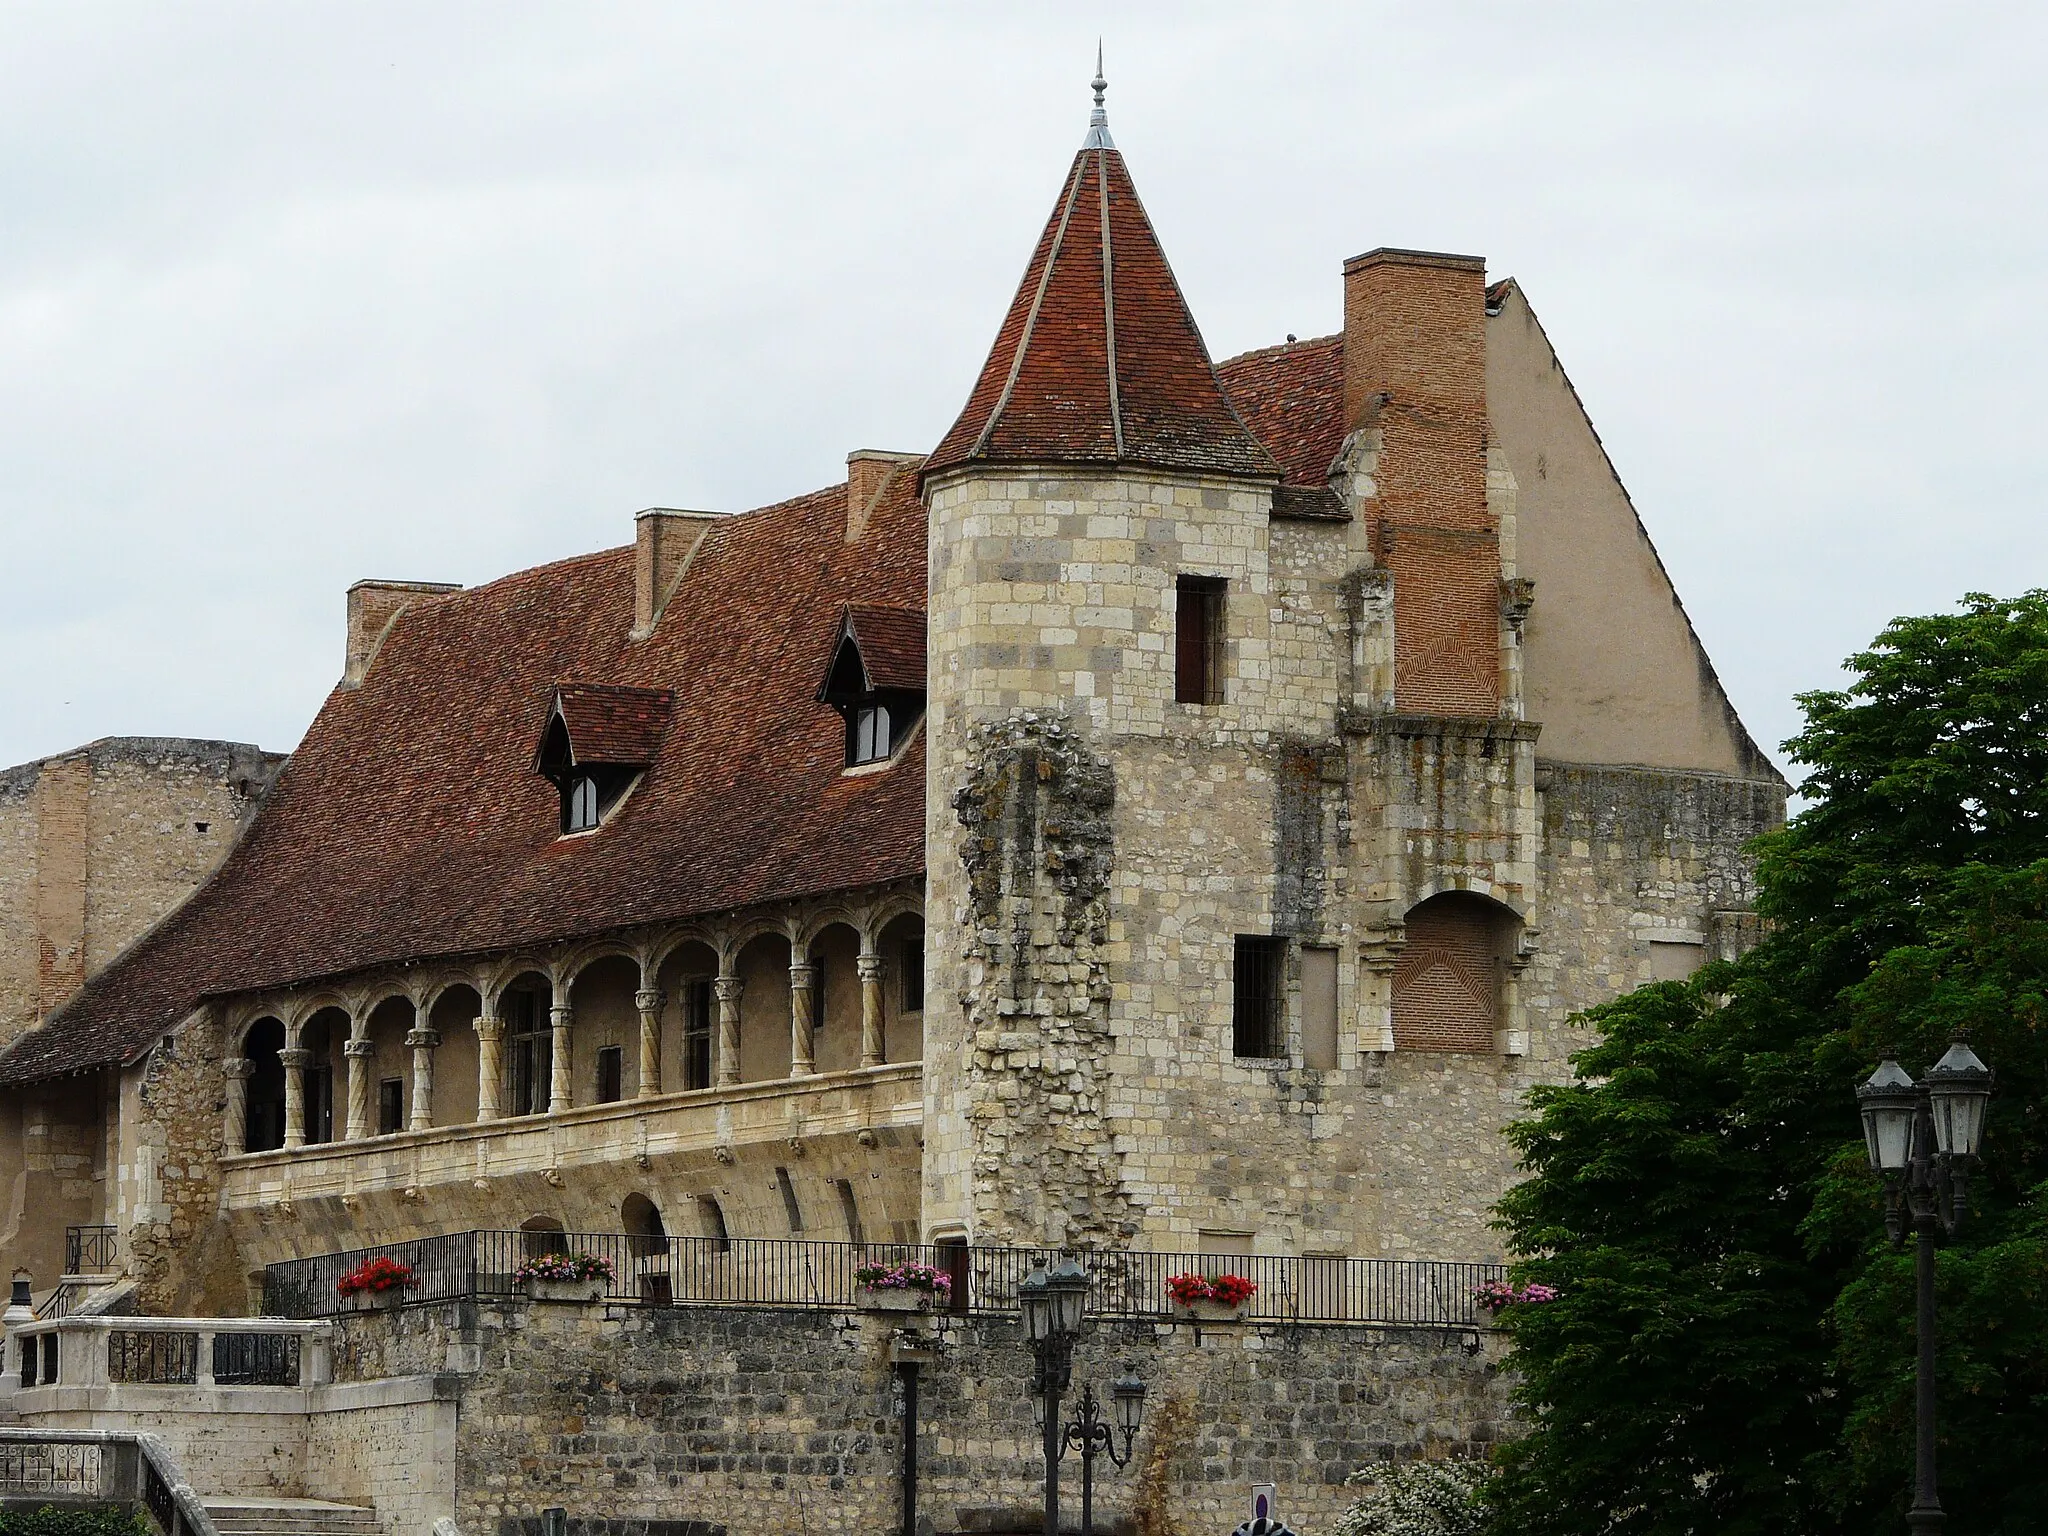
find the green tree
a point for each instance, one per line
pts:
(1730, 1351)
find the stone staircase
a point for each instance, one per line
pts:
(290, 1517)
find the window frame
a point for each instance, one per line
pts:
(1200, 609)
(1258, 998)
(610, 1087)
(390, 1105)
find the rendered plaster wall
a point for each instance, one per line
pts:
(773, 1422)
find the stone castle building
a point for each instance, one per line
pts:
(96, 846)
(1181, 811)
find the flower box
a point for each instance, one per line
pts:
(1210, 1298)
(1206, 1310)
(584, 1292)
(875, 1298)
(374, 1301)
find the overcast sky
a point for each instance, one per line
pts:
(292, 295)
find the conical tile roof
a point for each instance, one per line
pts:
(1098, 360)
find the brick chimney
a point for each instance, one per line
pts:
(868, 471)
(372, 608)
(1415, 372)
(664, 538)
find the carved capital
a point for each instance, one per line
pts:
(489, 1027)
(648, 1001)
(359, 1048)
(728, 988)
(871, 967)
(423, 1039)
(295, 1056)
(238, 1066)
(1517, 593)
(801, 972)
(561, 1016)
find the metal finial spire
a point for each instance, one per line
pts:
(1098, 120)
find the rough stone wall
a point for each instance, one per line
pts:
(96, 845)
(772, 1422)
(167, 1186)
(1303, 807)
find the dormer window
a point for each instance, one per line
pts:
(871, 738)
(598, 740)
(876, 680)
(580, 813)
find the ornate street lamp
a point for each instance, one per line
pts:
(1054, 1306)
(1922, 1138)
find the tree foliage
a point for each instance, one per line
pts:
(1416, 1498)
(1731, 1350)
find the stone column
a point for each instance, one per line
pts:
(560, 1017)
(296, 1059)
(359, 1050)
(728, 989)
(648, 1000)
(234, 1138)
(490, 1064)
(873, 1043)
(423, 1041)
(1379, 951)
(802, 1025)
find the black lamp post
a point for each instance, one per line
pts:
(1053, 1306)
(1092, 1435)
(1923, 1137)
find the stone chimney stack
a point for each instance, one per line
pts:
(373, 606)
(664, 538)
(1415, 383)
(868, 471)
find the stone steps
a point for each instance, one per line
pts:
(290, 1517)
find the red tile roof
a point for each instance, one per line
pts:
(411, 824)
(1292, 397)
(890, 642)
(609, 724)
(1098, 360)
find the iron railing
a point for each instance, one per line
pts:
(91, 1250)
(101, 1467)
(704, 1271)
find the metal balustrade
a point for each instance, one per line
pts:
(704, 1271)
(101, 1467)
(92, 1250)
(123, 1352)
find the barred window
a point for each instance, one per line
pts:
(1256, 1020)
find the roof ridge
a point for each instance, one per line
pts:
(1031, 320)
(1280, 348)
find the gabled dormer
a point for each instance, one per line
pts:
(598, 740)
(876, 680)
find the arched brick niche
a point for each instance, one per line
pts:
(1448, 981)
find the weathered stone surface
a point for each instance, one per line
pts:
(774, 1422)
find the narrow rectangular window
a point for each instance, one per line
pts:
(611, 1067)
(1255, 997)
(390, 1106)
(320, 1102)
(913, 975)
(1198, 640)
(849, 1208)
(1318, 1008)
(790, 1208)
(529, 1055)
(697, 1032)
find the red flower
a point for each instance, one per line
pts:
(383, 1273)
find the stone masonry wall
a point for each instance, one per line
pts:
(775, 1423)
(98, 844)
